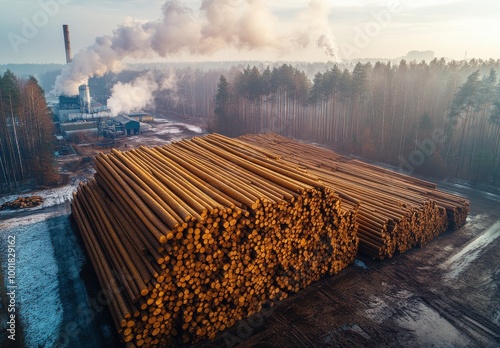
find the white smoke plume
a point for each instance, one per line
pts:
(219, 24)
(327, 43)
(133, 96)
(136, 95)
(168, 80)
(316, 27)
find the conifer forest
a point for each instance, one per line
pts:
(26, 134)
(434, 118)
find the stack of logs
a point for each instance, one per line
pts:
(22, 202)
(189, 238)
(396, 211)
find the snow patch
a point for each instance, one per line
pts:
(382, 309)
(379, 310)
(176, 128)
(460, 261)
(357, 329)
(162, 120)
(164, 126)
(194, 129)
(28, 220)
(168, 130)
(51, 197)
(37, 284)
(477, 221)
(360, 263)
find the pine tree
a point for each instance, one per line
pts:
(26, 134)
(465, 101)
(222, 106)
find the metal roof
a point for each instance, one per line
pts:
(124, 119)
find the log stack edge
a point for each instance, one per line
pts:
(189, 238)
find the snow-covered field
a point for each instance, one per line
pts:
(30, 220)
(162, 132)
(36, 265)
(36, 279)
(51, 197)
(164, 126)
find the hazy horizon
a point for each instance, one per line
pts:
(453, 29)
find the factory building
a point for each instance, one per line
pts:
(78, 114)
(79, 107)
(128, 125)
(122, 125)
(70, 128)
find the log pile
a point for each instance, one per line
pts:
(22, 202)
(188, 238)
(396, 211)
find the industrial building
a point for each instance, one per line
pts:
(79, 107)
(80, 114)
(128, 125)
(88, 127)
(122, 125)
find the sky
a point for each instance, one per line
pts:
(31, 30)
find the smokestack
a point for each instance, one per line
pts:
(67, 45)
(84, 93)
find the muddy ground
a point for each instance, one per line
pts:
(446, 294)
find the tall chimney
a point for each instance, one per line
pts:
(67, 45)
(84, 94)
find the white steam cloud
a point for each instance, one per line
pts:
(133, 96)
(136, 95)
(316, 27)
(219, 24)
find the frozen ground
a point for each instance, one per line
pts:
(163, 131)
(38, 287)
(173, 124)
(459, 262)
(51, 197)
(55, 307)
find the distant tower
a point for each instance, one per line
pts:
(67, 44)
(84, 93)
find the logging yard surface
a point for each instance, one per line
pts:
(446, 294)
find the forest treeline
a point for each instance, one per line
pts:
(436, 118)
(26, 134)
